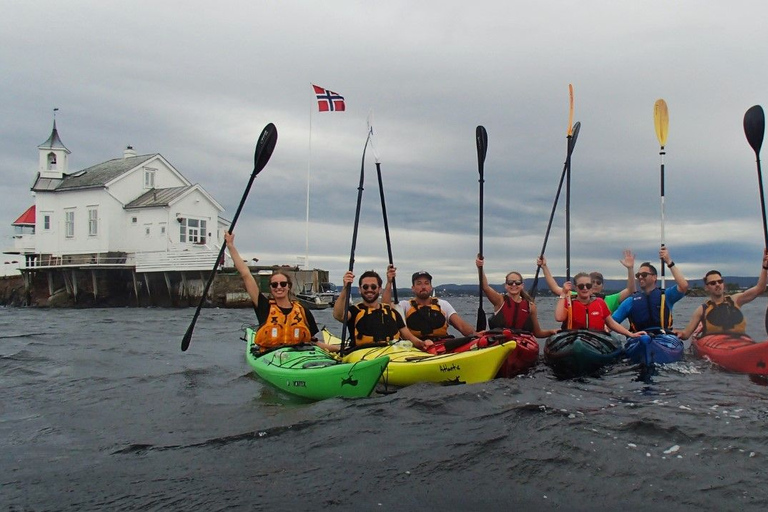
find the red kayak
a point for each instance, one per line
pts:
(734, 352)
(524, 357)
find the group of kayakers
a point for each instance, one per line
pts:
(425, 318)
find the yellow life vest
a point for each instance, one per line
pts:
(375, 324)
(427, 322)
(281, 329)
(723, 317)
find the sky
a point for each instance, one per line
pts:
(197, 82)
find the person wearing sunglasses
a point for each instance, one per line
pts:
(613, 300)
(722, 312)
(585, 311)
(514, 309)
(645, 308)
(282, 321)
(370, 321)
(426, 316)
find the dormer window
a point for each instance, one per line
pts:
(149, 178)
(51, 161)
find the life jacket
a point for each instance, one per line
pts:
(723, 317)
(375, 324)
(427, 322)
(645, 313)
(281, 329)
(586, 316)
(513, 315)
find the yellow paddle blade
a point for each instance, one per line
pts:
(570, 112)
(661, 121)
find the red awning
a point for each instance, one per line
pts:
(27, 218)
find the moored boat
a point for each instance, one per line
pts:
(655, 348)
(579, 352)
(733, 352)
(311, 372)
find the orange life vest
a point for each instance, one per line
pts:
(281, 329)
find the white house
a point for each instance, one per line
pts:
(136, 212)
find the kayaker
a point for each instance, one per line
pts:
(613, 300)
(281, 321)
(722, 312)
(585, 311)
(426, 316)
(370, 321)
(514, 309)
(645, 308)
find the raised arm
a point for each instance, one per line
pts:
(563, 303)
(251, 286)
(338, 306)
(495, 297)
(750, 294)
(682, 283)
(629, 263)
(553, 286)
(386, 294)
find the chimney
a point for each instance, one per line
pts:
(129, 152)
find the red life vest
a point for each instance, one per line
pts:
(513, 315)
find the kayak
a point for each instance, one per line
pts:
(734, 352)
(408, 365)
(574, 353)
(523, 358)
(311, 372)
(659, 348)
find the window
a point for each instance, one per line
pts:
(162, 229)
(46, 221)
(51, 161)
(149, 178)
(147, 230)
(69, 223)
(192, 231)
(134, 220)
(93, 221)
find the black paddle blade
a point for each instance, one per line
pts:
(754, 128)
(481, 320)
(481, 137)
(264, 147)
(574, 136)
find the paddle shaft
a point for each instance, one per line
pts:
(481, 140)
(386, 226)
(663, 217)
(348, 286)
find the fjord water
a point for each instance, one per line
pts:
(101, 410)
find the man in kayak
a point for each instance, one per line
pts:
(722, 313)
(281, 321)
(650, 308)
(370, 321)
(426, 316)
(613, 300)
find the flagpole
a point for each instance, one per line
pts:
(309, 167)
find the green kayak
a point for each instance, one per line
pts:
(311, 372)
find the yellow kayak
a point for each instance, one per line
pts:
(408, 365)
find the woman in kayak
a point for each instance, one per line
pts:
(282, 321)
(584, 311)
(514, 309)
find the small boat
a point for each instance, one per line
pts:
(312, 300)
(658, 348)
(328, 293)
(311, 372)
(733, 352)
(579, 352)
(408, 365)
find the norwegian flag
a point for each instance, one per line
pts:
(329, 101)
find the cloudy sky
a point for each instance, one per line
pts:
(197, 81)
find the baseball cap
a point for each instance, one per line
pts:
(421, 273)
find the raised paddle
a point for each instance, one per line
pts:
(348, 286)
(661, 124)
(754, 129)
(571, 146)
(264, 148)
(481, 139)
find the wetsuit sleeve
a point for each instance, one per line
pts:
(673, 295)
(622, 312)
(262, 310)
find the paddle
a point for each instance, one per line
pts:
(348, 286)
(661, 124)
(264, 148)
(481, 138)
(754, 129)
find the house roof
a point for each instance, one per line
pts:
(54, 141)
(157, 197)
(94, 176)
(27, 218)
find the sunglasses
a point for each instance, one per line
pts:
(281, 284)
(643, 275)
(714, 282)
(597, 282)
(515, 282)
(367, 287)
(584, 286)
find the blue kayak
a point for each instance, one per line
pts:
(659, 348)
(575, 353)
